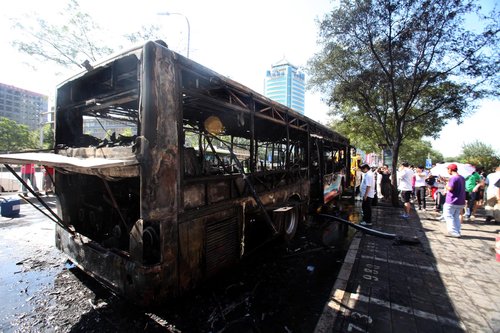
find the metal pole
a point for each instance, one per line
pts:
(188, 26)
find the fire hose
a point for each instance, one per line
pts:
(398, 239)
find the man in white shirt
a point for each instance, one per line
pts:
(367, 192)
(492, 194)
(405, 175)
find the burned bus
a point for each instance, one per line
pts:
(189, 173)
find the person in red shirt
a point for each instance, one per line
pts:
(28, 173)
(48, 180)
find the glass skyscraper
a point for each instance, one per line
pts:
(285, 84)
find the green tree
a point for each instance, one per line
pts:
(360, 132)
(417, 151)
(48, 136)
(451, 159)
(15, 137)
(127, 132)
(403, 67)
(75, 41)
(69, 43)
(480, 154)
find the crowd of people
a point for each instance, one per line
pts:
(28, 175)
(455, 197)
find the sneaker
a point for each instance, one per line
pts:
(450, 234)
(489, 218)
(365, 223)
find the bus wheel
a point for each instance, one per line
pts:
(291, 223)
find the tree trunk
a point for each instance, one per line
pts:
(394, 172)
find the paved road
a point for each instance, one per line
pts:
(29, 261)
(443, 284)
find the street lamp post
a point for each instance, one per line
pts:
(188, 25)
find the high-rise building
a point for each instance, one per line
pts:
(23, 106)
(285, 84)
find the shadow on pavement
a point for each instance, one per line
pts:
(395, 288)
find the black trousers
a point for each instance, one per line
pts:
(420, 193)
(440, 199)
(471, 201)
(366, 207)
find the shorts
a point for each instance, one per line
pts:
(405, 195)
(479, 195)
(473, 196)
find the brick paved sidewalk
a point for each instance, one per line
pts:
(443, 284)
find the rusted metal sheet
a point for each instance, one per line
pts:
(209, 243)
(194, 195)
(218, 191)
(161, 112)
(123, 166)
(222, 245)
(191, 256)
(113, 269)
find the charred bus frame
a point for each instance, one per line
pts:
(145, 211)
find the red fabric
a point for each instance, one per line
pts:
(433, 192)
(28, 169)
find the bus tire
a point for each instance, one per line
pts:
(291, 223)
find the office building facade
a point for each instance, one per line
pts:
(23, 106)
(285, 83)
